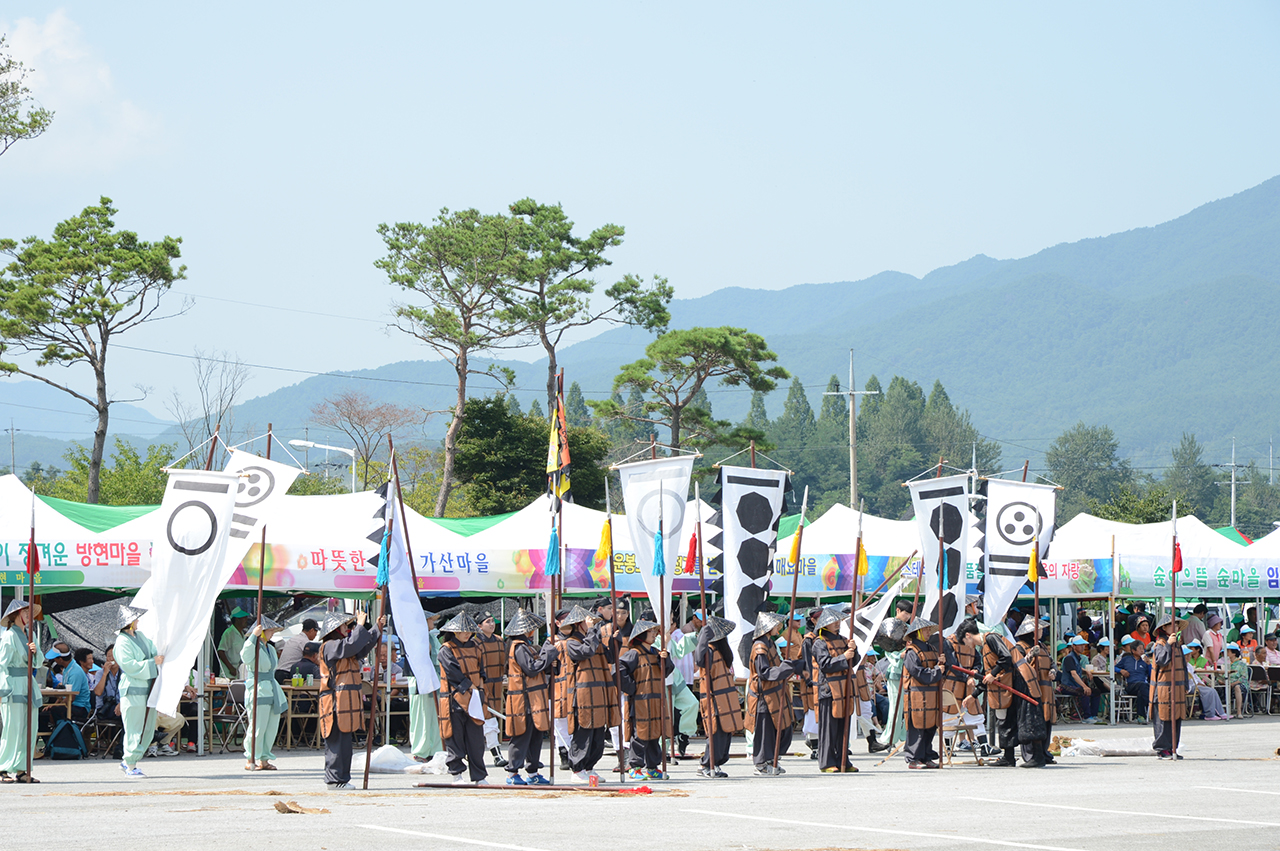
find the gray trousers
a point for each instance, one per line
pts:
(830, 736)
(763, 742)
(586, 746)
(1165, 731)
(525, 750)
(466, 743)
(717, 746)
(337, 756)
(645, 753)
(919, 746)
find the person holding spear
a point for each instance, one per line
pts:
(341, 709)
(139, 666)
(642, 671)
(18, 693)
(769, 713)
(266, 694)
(924, 668)
(832, 658)
(527, 701)
(1168, 688)
(720, 706)
(1031, 726)
(461, 700)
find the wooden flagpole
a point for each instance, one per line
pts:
(33, 559)
(1173, 625)
(709, 718)
(942, 651)
(257, 639)
(613, 605)
(791, 610)
(665, 604)
(381, 599)
(853, 611)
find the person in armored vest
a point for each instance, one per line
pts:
(592, 704)
(923, 669)
(615, 628)
(494, 654)
(1168, 689)
(527, 715)
(562, 684)
(769, 712)
(997, 666)
(462, 707)
(904, 611)
(721, 709)
(341, 695)
(807, 686)
(139, 666)
(964, 649)
(1032, 726)
(267, 696)
(17, 686)
(831, 657)
(643, 671)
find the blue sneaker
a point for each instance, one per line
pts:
(637, 774)
(536, 780)
(515, 780)
(655, 774)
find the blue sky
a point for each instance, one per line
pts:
(739, 144)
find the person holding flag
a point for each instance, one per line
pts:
(769, 713)
(720, 704)
(832, 657)
(527, 716)
(139, 666)
(266, 694)
(1168, 688)
(592, 707)
(17, 687)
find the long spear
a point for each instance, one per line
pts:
(1175, 568)
(257, 639)
(377, 659)
(659, 558)
(853, 610)
(613, 606)
(709, 719)
(33, 567)
(942, 651)
(791, 610)
(998, 684)
(897, 703)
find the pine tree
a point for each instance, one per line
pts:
(513, 405)
(757, 417)
(535, 409)
(575, 407)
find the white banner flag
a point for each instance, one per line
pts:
(867, 621)
(406, 607)
(750, 508)
(942, 515)
(186, 574)
(653, 489)
(1018, 514)
(261, 485)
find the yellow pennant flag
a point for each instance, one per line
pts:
(863, 567)
(1033, 567)
(606, 545)
(795, 547)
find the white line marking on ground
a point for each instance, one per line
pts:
(1233, 789)
(855, 827)
(1123, 812)
(426, 835)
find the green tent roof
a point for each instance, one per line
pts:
(470, 525)
(97, 518)
(1235, 535)
(787, 525)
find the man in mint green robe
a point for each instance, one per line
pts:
(17, 741)
(424, 723)
(268, 697)
(139, 666)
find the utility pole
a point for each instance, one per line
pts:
(1233, 465)
(853, 430)
(13, 463)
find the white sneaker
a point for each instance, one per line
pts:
(581, 777)
(152, 751)
(462, 779)
(483, 781)
(168, 749)
(600, 781)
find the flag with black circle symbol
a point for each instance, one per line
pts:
(1020, 522)
(942, 519)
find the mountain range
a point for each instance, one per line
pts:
(1154, 331)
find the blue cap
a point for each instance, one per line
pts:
(1233, 646)
(871, 651)
(1104, 642)
(798, 615)
(1062, 645)
(1246, 628)
(1186, 649)
(1194, 643)
(1127, 640)
(95, 669)
(1078, 641)
(1044, 618)
(53, 653)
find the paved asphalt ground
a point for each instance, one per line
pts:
(1225, 794)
